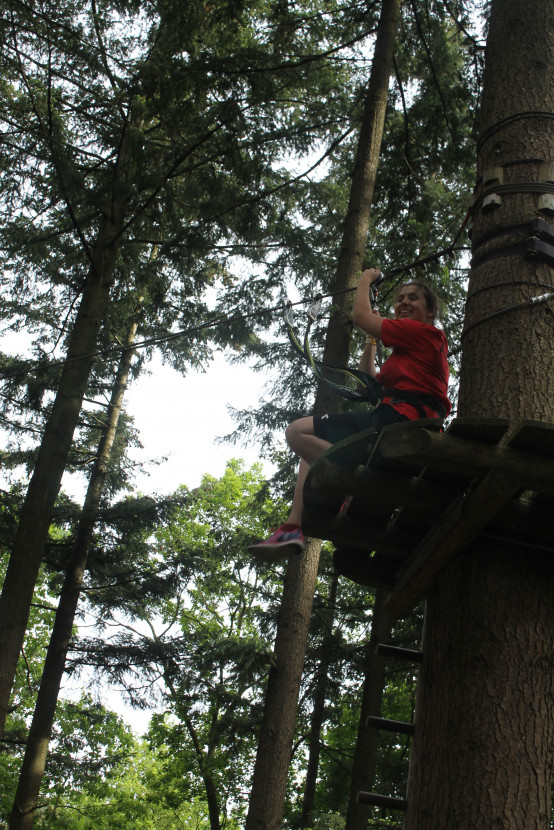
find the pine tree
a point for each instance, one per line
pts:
(40, 731)
(137, 130)
(272, 761)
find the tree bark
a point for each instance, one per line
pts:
(267, 798)
(317, 718)
(365, 755)
(34, 761)
(481, 755)
(210, 788)
(482, 750)
(507, 361)
(353, 243)
(36, 513)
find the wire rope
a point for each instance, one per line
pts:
(419, 263)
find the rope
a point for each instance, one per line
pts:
(422, 262)
(504, 122)
(541, 298)
(374, 389)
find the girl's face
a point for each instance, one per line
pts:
(411, 305)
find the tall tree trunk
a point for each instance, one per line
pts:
(210, 787)
(201, 751)
(36, 513)
(365, 755)
(317, 718)
(482, 751)
(267, 798)
(34, 761)
(353, 243)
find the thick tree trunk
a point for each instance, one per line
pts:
(481, 755)
(34, 761)
(365, 755)
(507, 360)
(353, 243)
(267, 797)
(482, 751)
(36, 513)
(317, 718)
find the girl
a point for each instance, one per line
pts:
(415, 382)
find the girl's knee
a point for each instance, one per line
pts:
(291, 432)
(298, 430)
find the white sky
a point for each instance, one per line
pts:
(181, 417)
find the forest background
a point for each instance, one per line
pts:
(167, 171)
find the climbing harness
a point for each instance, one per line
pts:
(418, 400)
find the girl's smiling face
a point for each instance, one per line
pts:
(412, 305)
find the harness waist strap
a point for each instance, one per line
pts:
(417, 399)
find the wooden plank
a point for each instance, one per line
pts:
(354, 450)
(468, 458)
(351, 451)
(533, 436)
(389, 725)
(357, 532)
(376, 492)
(398, 653)
(399, 511)
(377, 800)
(422, 448)
(399, 462)
(385, 486)
(465, 519)
(487, 430)
(374, 570)
(376, 496)
(324, 480)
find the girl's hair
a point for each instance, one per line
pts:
(431, 299)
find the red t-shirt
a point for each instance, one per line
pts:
(418, 363)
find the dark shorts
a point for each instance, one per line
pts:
(339, 425)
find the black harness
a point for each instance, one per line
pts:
(416, 399)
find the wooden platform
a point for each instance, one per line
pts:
(420, 496)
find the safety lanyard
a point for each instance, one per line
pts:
(373, 389)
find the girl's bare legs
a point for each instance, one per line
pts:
(288, 538)
(300, 438)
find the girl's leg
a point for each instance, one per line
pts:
(289, 538)
(295, 515)
(300, 438)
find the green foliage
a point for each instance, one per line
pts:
(190, 119)
(210, 626)
(137, 795)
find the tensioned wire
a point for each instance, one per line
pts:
(226, 320)
(420, 263)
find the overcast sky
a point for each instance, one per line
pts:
(181, 417)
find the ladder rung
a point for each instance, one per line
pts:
(373, 722)
(382, 801)
(399, 653)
